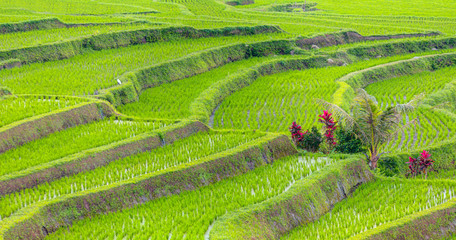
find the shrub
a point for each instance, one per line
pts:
(330, 127)
(296, 134)
(309, 141)
(348, 142)
(420, 164)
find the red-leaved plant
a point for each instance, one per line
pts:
(330, 127)
(296, 134)
(421, 164)
(308, 140)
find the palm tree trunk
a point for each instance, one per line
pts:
(373, 159)
(373, 164)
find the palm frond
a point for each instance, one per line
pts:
(411, 105)
(402, 128)
(440, 106)
(364, 94)
(388, 120)
(338, 112)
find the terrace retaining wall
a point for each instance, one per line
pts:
(12, 63)
(49, 23)
(306, 201)
(135, 82)
(438, 222)
(95, 158)
(67, 49)
(351, 37)
(365, 77)
(38, 220)
(21, 132)
(403, 47)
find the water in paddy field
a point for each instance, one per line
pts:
(184, 86)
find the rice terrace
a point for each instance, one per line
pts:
(227, 119)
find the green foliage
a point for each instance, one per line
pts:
(347, 142)
(15, 109)
(95, 70)
(374, 204)
(256, 107)
(172, 100)
(193, 212)
(311, 141)
(306, 200)
(389, 166)
(89, 47)
(70, 141)
(371, 125)
(181, 152)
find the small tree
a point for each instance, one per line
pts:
(372, 126)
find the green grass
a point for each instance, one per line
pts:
(14, 109)
(40, 37)
(173, 100)
(70, 141)
(273, 102)
(420, 8)
(94, 70)
(68, 7)
(402, 89)
(374, 204)
(191, 213)
(432, 126)
(182, 151)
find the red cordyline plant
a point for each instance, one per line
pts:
(330, 127)
(296, 133)
(308, 140)
(421, 164)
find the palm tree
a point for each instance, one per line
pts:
(371, 125)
